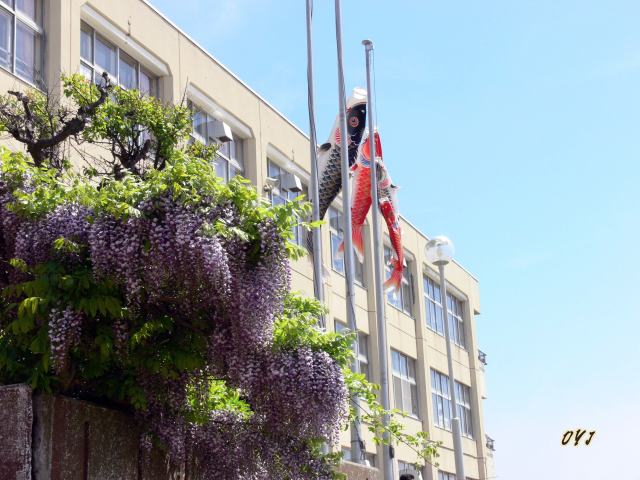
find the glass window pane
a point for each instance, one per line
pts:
(346, 453)
(97, 78)
(233, 171)
(406, 297)
(412, 370)
(277, 200)
(273, 170)
(403, 366)
(336, 258)
(334, 219)
(147, 84)
(86, 71)
(128, 72)
(106, 56)
(200, 123)
(224, 149)
(393, 298)
(86, 43)
(8, 2)
(414, 400)
(221, 168)
(6, 39)
(233, 151)
(406, 397)
(364, 369)
(395, 360)
(27, 53)
(30, 8)
(359, 267)
(239, 153)
(397, 392)
(363, 345)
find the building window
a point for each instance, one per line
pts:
(441, 399)
(445, 476)
(98, 55)
(405, 466)
(363, 347)
(229, 158)
(405, 388)
(463, 399)
(435, 314)
(402, 299)
(442, 403)
(337, 259)
(21, 39)
(279, 195)
(370, 458)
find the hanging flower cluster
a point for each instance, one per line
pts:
(163, 294)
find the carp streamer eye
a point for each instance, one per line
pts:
(354, 121)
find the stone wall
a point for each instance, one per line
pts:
(16, 420)
(44, 437)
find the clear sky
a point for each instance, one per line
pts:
(511, 126)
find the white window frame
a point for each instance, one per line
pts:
(455, 308)
(97, 70)
(231, 166)
(363, 347)
(446, 475)
(408, 383)
(18, 16)
(463, 402)
(336, 235)
(397, 298)
(403, 465)
(299, 232)
(369, 457)
(442, 403)
(441, 399)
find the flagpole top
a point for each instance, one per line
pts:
(368, 44)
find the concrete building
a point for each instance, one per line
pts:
(141, 48)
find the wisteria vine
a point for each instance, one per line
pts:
(144, 296)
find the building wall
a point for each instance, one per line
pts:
(185, 69)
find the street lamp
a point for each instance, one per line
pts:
(439, 251)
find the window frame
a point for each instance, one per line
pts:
(16, 16)
(440, 396)
(92, 66)
(407, 381)
(463, 402)
(446, 475)
(230, 164)
(337, 233)
(397, 298)
(363, 341)
(455, 308)
(299, 232)
(441, 399)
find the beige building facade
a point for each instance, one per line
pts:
(140, 48)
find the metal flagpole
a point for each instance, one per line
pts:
(357, 446)
(318, 286)
(387, 462)
(455, 419)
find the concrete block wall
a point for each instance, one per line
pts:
(45, 437)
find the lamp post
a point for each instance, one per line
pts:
(439, 251)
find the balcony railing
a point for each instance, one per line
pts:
(482, 357)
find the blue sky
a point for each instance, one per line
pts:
(511, 127)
